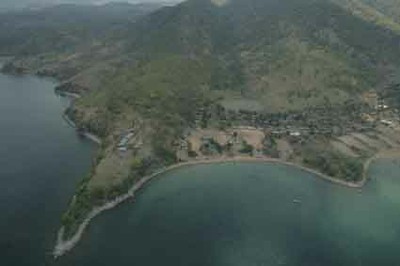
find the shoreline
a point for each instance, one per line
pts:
(64, 246)
(86, 134)
(70, 95)
(91, 137)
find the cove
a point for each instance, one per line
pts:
(41, 162)
(249, 214)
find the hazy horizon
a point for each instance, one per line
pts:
(12, 4)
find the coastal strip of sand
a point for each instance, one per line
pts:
(64, 246)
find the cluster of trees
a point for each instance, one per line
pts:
(81, 204)
(270, 146)
(335, 164)
(246, 148)
(87, 197)
(210, 147)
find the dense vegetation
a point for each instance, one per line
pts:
(285, 54)
(337, 165)
(334, 164)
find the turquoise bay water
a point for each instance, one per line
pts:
(244, 214)
(41, 162)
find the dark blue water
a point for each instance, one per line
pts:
(41, 161)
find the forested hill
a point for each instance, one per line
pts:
(287, 54)
(279, 56)
(278, 52)
(218, 26)
(65, 27)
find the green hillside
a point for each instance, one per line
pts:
(286, 54)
